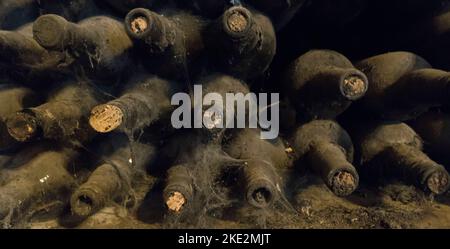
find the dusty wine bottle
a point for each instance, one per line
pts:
(64, 115)
(195, 164)
(241, 43)
(46, 176)
(99, 44)
(24, 58)
(402, 86)
(146, 99)
(394, 150)
(433, 127)
(19, 157)
(326, 148)
(172, 42)
(181, 158)
(179, 188)
(428, 37)
(13, 98)
(15, 13)
(221, 84)
(264, 169)
(322, 84)
(112, 180)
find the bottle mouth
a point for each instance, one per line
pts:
(50, 31)
(138, 23)
(106, 118)
(354, 86)
(83, 203)
(261, 194)
(237, 21)
(343, 183)
(438, 182)
(22, 126)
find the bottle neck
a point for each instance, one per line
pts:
(53, 32)
(411, 165)
(330, 161)
(19, 49)
(338, 83)
(240, 29)
(157, 32)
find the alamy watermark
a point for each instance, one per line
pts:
(232, 112)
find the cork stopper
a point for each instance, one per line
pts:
(21, 126)
(343, 183)
(354, 87)
(106, 118)
(139, 25)
(438, 182)
(175, 202)
(237, 22)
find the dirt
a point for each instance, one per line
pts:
(392, 206)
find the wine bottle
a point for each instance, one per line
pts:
(241, 42)
(402, 86)
(195, 164)
(326, 148)
(393, 150)
(222, 119)
(64, 115)
(172, 42)
(182, 159)
(47, 176)
(15, 13)
(99, 45)
(25, 60)
(179, 189)
(15, 159)
(114, 178)
(428, 37)
(13, 98)
(265, 166)
(433, 127)
(322, 84)
(145, 99)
